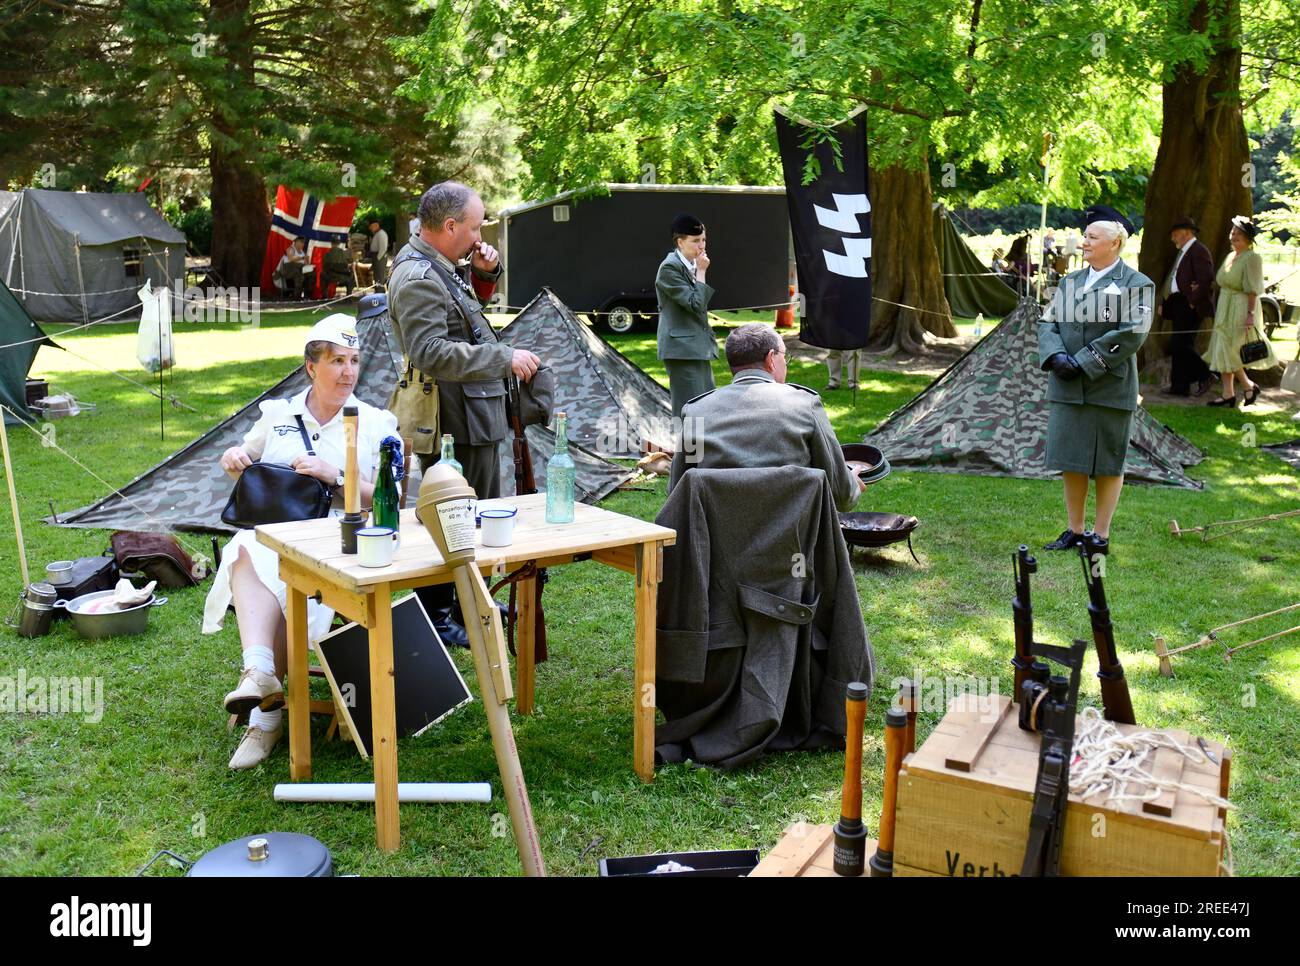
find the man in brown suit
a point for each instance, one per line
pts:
(1187, 298)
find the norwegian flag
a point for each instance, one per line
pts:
(298, 214)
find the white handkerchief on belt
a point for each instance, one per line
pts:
(1111, 289)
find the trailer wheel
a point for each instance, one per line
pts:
(619, 319)
(1272, 315)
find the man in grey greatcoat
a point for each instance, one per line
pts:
(448, 343)
(760, 420)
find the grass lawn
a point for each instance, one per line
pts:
(102, 798)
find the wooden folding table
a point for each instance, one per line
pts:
(312, 565)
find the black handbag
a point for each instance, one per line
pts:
(275, 493)
(1253, 351)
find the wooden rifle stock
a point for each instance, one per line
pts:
(525, 484)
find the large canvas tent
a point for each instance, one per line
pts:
(970, 285)
(987, 415)
(76, 256)
(188, 490)
(611, 404)
(20, 338)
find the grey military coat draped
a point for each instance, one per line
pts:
(1103, 328)
(684, 331)
(759, 624)
(718, 432)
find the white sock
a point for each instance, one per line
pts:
(261, 658)
(266, 720)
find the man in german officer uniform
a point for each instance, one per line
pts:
(454, 381)
(760, 420)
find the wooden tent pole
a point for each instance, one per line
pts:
(13, 496)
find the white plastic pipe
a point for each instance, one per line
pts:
(365, 792)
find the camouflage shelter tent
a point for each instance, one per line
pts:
(611, 404)
(188, 490)
(971, 286)
(987, 415)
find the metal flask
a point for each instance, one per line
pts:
(267, 856)
(37, 603)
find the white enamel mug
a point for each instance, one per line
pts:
(499, 525)
(376, 546)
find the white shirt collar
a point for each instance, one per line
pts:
(690, 265)
(1093, 274)
(1190, 242)
(298, 407)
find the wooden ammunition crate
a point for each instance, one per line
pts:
(964, 799)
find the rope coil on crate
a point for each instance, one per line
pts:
(1107, 762)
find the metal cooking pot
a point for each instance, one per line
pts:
(132, 620)
(872, 465)
(270, 855)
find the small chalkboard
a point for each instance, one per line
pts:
(428, 685)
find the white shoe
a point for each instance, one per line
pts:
(255, 747)
(256, 689)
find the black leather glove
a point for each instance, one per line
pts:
(1063, 364)
(1065, 367)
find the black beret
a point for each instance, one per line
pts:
(1107, 213)
(687, 225)
(1247, 227)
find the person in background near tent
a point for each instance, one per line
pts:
(413, 224)
(455, 372)
(378, 251)
(336, 269)
(835, 364)
(289, 273)
(718, 428)
(249, 575)
(1236, 322)
(686, 343)
(1186, 298)
(1021, 268)
(1049, 246)
(1088, 342)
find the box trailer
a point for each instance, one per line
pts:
(599, 253)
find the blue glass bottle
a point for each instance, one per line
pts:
(559, 476)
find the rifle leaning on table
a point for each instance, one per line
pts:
(525, 484)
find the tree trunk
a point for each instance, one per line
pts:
(906, 283)
(241, 215)
(1201, 165)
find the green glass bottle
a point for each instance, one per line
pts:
(559, 476)
(449, 457)
(386, 501)
(449, 454)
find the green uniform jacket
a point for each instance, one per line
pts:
(756, 422)
(684, 331)
(434, 338)
(1103, 329)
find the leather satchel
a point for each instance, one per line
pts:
(276, 493)
(158, 555)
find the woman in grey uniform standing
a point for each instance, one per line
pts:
(1088, 342)
(686, 343)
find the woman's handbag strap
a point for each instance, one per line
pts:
(306, 440)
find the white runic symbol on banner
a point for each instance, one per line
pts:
(843, 218)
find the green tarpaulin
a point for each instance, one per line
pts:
(970, 285)
(20, 337)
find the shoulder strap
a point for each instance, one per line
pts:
(456, 288)
(306, 440)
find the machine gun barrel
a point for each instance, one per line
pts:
(1022, 611)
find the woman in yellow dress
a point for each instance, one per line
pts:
(1241, 282)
